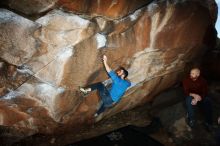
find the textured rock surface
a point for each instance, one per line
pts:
(43, 65)
(16, 31)
(31, 7)
(109, 8)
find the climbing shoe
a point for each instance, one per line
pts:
(83, 90)
(96, 115)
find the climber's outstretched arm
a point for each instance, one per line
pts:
(108, 69)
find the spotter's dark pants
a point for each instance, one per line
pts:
(206, 106)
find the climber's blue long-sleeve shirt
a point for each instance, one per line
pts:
(119, 86)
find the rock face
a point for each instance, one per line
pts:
(44, 61)
(16, 31)
(31, 7)
(110, 8)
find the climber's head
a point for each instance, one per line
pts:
(122, 72)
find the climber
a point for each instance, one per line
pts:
(113, 95)
(195, 89)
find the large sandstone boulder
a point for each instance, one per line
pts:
(110, 8)
(31, 7)
(17, 38)
(62, 51)
(59, 33)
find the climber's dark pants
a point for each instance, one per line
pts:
(106, 100)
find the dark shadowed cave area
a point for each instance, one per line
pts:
(50, 48)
